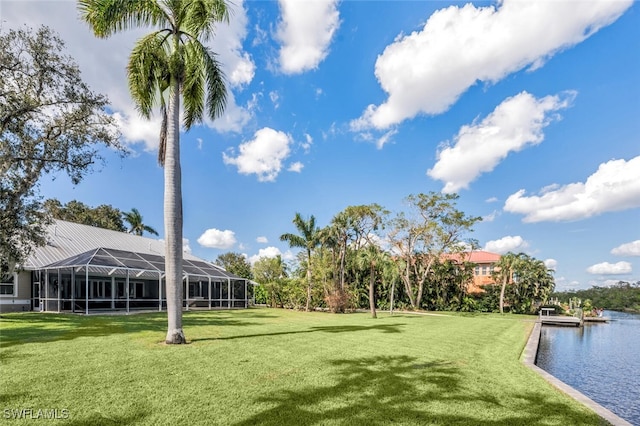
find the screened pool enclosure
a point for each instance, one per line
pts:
(106, 279)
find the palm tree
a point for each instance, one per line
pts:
(504, 273)
(136, 226)
(371, 257)
(308, 239)
(165, 65)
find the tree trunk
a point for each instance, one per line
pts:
(504, 286)
(393, 287)
(406, 279)
(423, 278)
(308, 282)
(372, 293)
(173, 220)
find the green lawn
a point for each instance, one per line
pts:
(277, 367)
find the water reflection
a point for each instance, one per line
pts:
(600, 360)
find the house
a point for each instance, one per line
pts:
(484, 266)
(88, 269)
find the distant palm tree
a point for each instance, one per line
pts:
(308, 239)
(164, 66)
(370, 256)
(504, 272)
(136, 226)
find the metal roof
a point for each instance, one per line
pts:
(111, 252)
(113, 261)
(68, 239)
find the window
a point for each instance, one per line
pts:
(136, 290)
(8, 284)
(98, 290)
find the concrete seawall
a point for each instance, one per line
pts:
(529, 359)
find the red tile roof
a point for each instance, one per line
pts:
(477, 256)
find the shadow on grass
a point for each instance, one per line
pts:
(19, 329)
(404, 390)
(384, 328)
(97, 419)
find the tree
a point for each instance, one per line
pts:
(50, 121)
(104, 216)
(363, 222)
(372, 257)
(533, 282)
(504, 271)
(136, 225)
(308, 239)
(420, 239)
(164, 66)
(389, 274)
(271, 272)
(236, 263)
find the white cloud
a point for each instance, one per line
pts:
(307, 145)
(186, 248)
(614, 186)
(386, 137)
(606, 268)
(135, 128)
(215, 238)
(563, 284)
(262, 156)
(296, 167)
(627, 249)
(262, 240)
(305, 31)
(275, 98)
(227, 44)
(516, 123)
(271, 252)
(551, 264)
(103, 62)
(491, 200)
(427, 71)
(234, 118)
(491, 216)
(507, 244)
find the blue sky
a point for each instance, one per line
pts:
(529, 110)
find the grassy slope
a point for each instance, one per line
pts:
(275, 367)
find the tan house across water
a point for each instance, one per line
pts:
(485, 262)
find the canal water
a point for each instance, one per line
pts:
(601, 360)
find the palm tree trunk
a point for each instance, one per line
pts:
(372, 293)
(173, 220)
(308, 281)
(504, 286)
(393, 287)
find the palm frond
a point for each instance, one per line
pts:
(216, 88)
(203, 15)
(193, 83)
(294, 240)
(147, 71)
(107, 17)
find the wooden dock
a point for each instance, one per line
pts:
(546, 318)
(560, 320)
(596, 319)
